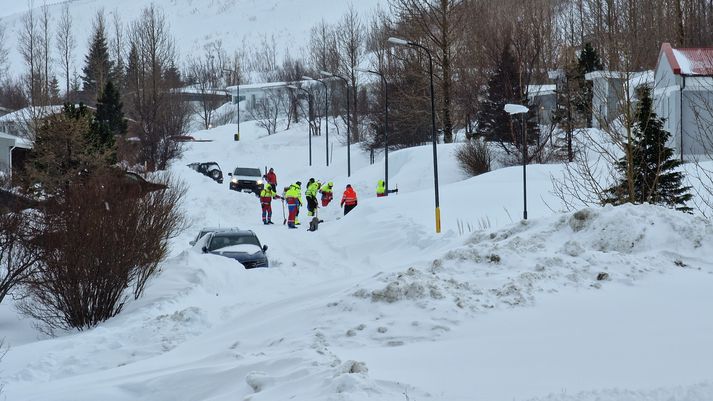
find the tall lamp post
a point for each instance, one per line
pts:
(386, 124)
(326, 111)
(349, 143)
(404, 42)
(309, 102)
(237, 85)
(514, 109)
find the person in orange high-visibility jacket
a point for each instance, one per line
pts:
(266, 197)
(349, 199)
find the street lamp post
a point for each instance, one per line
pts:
(326, 112)
(309, 103)
(386, 125)
(349, 143)
(237, 85)
(404, 42)
(513, 109)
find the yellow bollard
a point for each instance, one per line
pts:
(438, 220)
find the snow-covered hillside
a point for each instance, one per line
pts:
(197, 22)
(377, 306)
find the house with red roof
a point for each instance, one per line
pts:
(683, 95)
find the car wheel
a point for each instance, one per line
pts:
(215, 174)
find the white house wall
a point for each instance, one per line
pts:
(697, 122)
(6, 154)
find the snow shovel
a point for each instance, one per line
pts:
(284, 219)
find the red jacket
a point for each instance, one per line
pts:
(271, 177)
(349, 198)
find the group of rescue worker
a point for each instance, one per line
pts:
(292, 196)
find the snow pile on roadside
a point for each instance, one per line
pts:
(510, 266)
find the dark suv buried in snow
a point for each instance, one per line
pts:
(209, 169)
(243, 246)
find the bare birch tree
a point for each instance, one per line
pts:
(66, 44)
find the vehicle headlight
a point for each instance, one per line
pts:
(234, 180)
(259, 182)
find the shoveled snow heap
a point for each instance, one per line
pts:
(511, 266)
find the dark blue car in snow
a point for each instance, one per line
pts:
(241, 245)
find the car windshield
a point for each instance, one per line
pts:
(224, 240)
(252, 172)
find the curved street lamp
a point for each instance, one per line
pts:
(326, 111)
(386, 124)
(514, 109)
(237, 85)
(404, 42)
(349, 143)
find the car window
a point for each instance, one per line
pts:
(222, 241)
(254, 172)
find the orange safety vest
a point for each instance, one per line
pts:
(349, 198)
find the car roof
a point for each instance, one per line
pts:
(234, 232)
(221, 229)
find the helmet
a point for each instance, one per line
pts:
(330, 183)
(311, 180)
(268, 186)
(298, 183)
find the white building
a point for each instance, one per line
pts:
(544, 98)
(10, 144)
(683, 95)
(250, 94)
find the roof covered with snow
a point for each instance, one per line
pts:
(266, 85)
(28, 112)
(689, 61)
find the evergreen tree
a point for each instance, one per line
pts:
(54, 90)
(588, 61)
(97, 65)
(655, 179)
(62, 152)
(503, 87)
(494, 124)
(109, 120)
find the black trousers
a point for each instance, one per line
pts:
(311, 204)
(348, 208)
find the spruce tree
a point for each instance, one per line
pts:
(97, 65)
(54, 90)
(109, 120)
(494, 123)
(588, 61)
(655, 179)
(503, 88)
